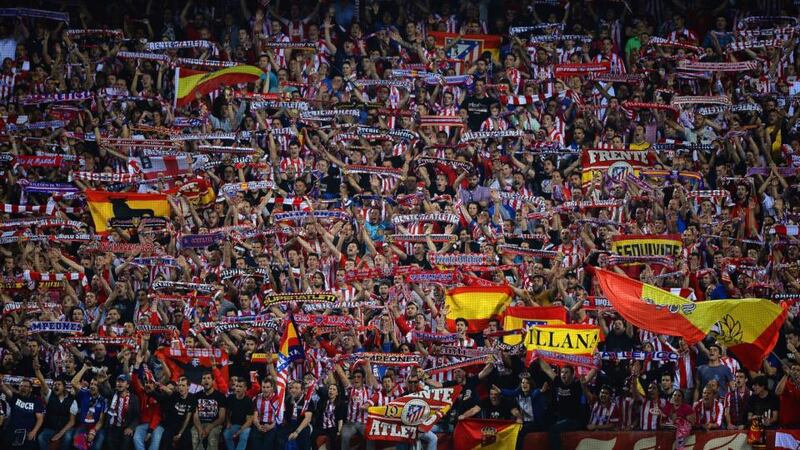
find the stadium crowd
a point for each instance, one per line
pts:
(376, 162)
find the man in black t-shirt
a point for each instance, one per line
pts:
(477, 106)
(210, 415)
(568, 402)
(763, 403)
(465, 406)
(240, 417)
(26, 416)
(496, 407)
(177, 407)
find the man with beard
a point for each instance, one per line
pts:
(210, 415)
(177, 407)
(475, 192)
(240, 416)
(538, 294)
(123, 415)
(59, 419)
(26, 416)
(297, 418)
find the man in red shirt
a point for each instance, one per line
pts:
(788, 390)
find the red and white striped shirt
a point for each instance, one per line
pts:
(358, 397)
(297, 163)
(730, 363)
(684, 370)
(709, 414)
(617, 64)
(492, 124)
(267, 408)
(627, 412)
(380, 398)
(604, 415)
(648, 415)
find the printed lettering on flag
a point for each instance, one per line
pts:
(519, 317)
(403, 418)
(572, 344)
(616, 163)
(647, 245)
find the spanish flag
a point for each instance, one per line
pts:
(519, 317)
(105, 206)
(190, 83)
(748, 326)
(486, 434)
(197, 190)
(477, 305)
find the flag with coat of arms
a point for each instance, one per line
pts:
(467, 47)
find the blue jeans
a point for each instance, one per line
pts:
(228, 435)
(260, 441)
(140, 433)
(428, 440)
(46, 434)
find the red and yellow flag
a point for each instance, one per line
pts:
(190, 83)
(518, 317)
(486, 434)
(573, 344)
(290, 349)
(748, 326)
(477, 305)
(105, 206)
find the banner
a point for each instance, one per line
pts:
(106, 206)
(275, 299)
(153, 167)
(55, 327)
(404, 417)
(486, 434)
(477, 305)
(388, 359)
(616, 163)
(787, 440)
(561, 343)
(641, 440)
(749, 327)
(467, 47)
(192, 83)
(519, 317)
(577, 69)
(647, 245)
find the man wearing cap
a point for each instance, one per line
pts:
(123, 413)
